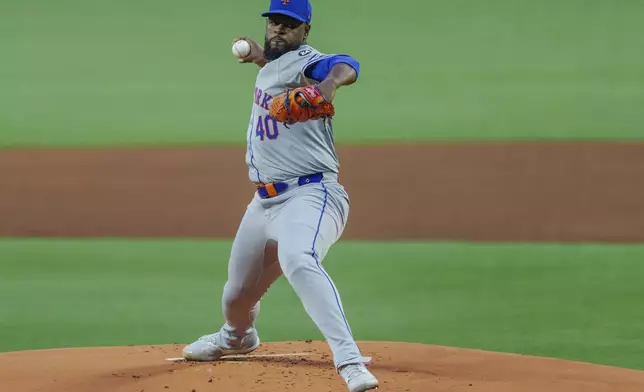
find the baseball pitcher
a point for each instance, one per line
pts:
(300, 209)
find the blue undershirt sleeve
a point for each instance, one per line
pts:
(320, 69)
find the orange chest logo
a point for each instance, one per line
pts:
(285, 2)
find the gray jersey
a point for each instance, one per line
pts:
(276, 152)
(288, 234)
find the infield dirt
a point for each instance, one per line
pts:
(398, 366)
(557, 192)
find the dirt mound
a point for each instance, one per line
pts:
(399, 367)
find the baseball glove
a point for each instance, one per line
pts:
(301, 104)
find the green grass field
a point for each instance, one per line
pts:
(569, 301)
(159, 72)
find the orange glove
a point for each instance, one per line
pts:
(301, 104)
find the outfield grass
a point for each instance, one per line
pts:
(578, 302)
(79, 73)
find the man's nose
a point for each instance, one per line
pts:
(280, 28)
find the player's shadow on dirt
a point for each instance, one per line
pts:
(293, 361)
(328, 364)
(401, 369)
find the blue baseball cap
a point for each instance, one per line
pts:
(296, 9)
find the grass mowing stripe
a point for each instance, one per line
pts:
(115, 73)
(568, 301)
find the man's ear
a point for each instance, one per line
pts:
(307, 29)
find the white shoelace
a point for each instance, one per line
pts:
(353, 371)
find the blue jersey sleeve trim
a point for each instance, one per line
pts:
(319, 69)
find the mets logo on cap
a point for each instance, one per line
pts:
(298, 9)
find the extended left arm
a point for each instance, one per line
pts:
(334, 72)
(341, 75)
(315, 101)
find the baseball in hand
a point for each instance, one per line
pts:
(241, 49)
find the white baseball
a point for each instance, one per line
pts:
(241, 48)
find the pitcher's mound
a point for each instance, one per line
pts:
(307, 367)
